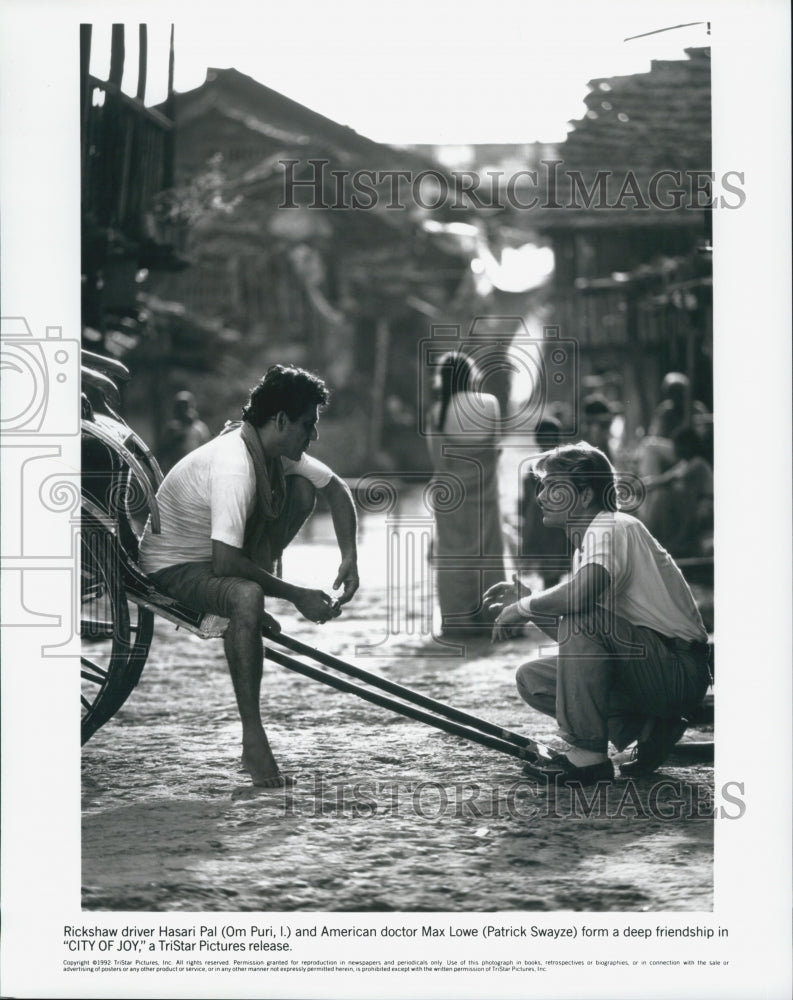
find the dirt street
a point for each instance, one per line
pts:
(382, 813)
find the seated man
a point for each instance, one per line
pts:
(633, 655)
(228, 510)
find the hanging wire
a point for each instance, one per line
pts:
(674, 27)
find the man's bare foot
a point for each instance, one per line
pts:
(258, 761)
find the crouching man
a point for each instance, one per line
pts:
(227, 512)
(632, 657)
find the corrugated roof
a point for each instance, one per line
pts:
(640, 124)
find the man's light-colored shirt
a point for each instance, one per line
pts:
(209, 495)
(647, 588)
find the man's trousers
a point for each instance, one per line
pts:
(609, 676)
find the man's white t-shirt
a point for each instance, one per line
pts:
(209, 495)
(647, 588)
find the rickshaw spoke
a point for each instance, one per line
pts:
(91, 628)
(93, 671)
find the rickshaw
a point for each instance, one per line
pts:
(120, 477)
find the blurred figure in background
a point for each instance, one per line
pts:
(469, 547)
(676, 407)
(657, 455)
(683, 517)
(399, 437)
(597, 417)
(542, 550)
(184, 433)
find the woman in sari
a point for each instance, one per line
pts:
(468, 552)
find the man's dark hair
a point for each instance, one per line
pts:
(287, 388)
(585, 466)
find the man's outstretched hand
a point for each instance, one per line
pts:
(510, 624)
(500, 601)
(347, 578)
(316, 605)
(504, 593)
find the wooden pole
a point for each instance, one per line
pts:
(170, 114)
(143, 46)
(85, 93)
(402, 692)
(522, 753)
(116, 55)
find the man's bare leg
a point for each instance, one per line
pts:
(244, 652)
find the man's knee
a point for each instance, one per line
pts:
(302, 497)
(532, 682)
(246, 601)
(523, 675)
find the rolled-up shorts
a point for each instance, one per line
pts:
(195, 585)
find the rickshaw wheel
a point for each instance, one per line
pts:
(115, 633)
